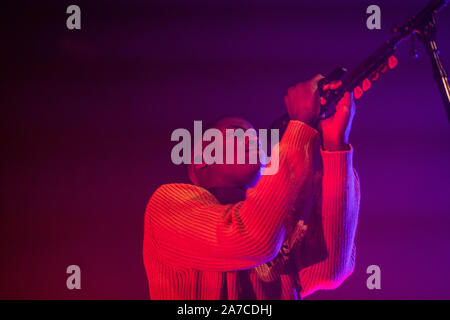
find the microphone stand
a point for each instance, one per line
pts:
(428, 37)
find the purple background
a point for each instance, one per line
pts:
(87, 117)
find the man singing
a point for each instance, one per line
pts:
(233, 234)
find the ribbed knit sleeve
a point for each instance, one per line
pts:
(340, 206)
(186, 226)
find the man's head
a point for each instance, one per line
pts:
(226, 174)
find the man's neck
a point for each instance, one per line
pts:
(227, 195)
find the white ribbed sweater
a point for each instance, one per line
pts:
(197, 248)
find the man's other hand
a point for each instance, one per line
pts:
(335, 130)
(303, 101)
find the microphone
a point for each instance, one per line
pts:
(370, 70)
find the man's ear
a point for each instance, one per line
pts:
(197, 163)
(193, 168)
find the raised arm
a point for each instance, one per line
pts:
(339, 208)
(336, 224)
